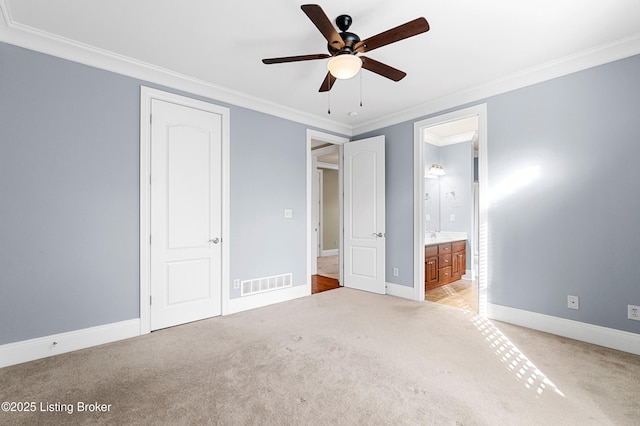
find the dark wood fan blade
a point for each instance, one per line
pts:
(295, 58)
(410, 29)
(382, 69)
(327, 84)
(322, 22)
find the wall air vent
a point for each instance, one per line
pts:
(261, 285)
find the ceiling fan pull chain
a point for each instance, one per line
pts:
(329, 102)
(361, 89)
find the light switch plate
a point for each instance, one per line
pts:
(288, 213)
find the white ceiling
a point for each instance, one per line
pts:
(472, 45)
(463, 130)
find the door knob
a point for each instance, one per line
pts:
(215, 240)
(379, 234)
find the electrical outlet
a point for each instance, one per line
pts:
(633, 312)
(395, 271)
(573, 302)
(236, 284)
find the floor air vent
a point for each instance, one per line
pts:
(260, 285)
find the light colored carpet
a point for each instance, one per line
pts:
(328, 266)
(340, 357)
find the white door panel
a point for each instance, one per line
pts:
(188, 163)
(363, 261)
(186, 194)
(364, 212)
(188, 281)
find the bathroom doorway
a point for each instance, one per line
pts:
(450, 176)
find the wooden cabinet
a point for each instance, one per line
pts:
(458, 260)
(457, 267)
(444, 263)
(431, 266)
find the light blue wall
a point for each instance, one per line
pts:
(268, 174)
(69, 191)
(574, 228)
(69, 165)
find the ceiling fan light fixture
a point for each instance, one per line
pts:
(344, 66)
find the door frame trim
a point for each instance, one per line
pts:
(147, 94)
(480, 111)
(335, 140)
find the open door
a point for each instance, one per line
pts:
(364, 215)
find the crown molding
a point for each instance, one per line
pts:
(4, 14)
(43, 42)
(50, 44)
(619, 49)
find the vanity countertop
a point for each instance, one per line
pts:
(444, 237)
(442, 240)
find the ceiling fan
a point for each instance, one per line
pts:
(345, 46)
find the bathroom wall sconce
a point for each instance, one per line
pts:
(436, 170)
(451, 194)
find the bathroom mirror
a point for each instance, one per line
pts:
(449, 153)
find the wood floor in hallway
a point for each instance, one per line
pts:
(321, 283)
(459, 294)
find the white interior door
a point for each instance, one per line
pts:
(186, 214)
(364, 215)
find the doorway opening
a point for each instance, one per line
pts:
(327, 203)
(450, 210)
(324, 210)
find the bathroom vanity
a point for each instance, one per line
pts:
(445, 261)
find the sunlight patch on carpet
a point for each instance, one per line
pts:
(516, 361)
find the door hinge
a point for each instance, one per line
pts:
(149, 239)
(150, 118)
(149, 300)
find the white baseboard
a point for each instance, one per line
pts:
(259, 300)
(400, 291)
(332, 252)
(603, 336)
(55, 344)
